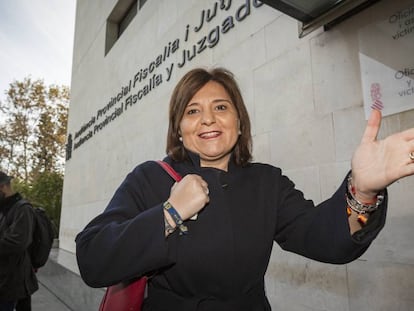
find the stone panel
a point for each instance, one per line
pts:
(336, 74)
(309, 144)
(283, 90)
(381, 286)
(306, 180)
(295, 283)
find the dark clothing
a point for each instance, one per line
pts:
(17, 278)
(221, 263)
(24, 304)
(7, 305)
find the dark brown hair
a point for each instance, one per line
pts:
(186, 88)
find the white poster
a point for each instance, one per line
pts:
(386, 58)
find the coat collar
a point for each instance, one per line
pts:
(10, 201)
(194, 158)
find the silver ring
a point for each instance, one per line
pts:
(411, 155)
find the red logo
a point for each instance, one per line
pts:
(376, 97)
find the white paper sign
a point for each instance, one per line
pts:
(386, 58)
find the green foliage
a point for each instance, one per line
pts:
(32, 141)
(33, 130)
(45, 192)
(21, 187)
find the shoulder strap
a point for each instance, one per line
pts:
(174, 174)
(21, 202)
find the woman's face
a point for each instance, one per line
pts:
(210, 125)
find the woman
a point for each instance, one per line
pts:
(218, 260)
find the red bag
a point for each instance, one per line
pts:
(176, 176)
(124, 297)
(130, 296)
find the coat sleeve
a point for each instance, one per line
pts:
(127, 240)
(322, 233)
(17, 233)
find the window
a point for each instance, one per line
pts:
(314, 14)
(141, 3)
(127, 18)
(119, 19)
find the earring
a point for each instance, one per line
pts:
(180, 138)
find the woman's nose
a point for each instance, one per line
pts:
(207, 117)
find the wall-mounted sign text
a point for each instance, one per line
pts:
(387, 63)
(159, 70)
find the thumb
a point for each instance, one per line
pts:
(373, 126)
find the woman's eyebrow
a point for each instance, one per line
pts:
(192, 104)
(221, 100)
(217, 100)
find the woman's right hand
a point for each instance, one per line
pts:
(189, 195)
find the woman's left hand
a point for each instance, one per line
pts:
(378, 163)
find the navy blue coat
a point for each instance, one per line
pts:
(221, 263)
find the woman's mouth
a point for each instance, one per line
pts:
(208, 135)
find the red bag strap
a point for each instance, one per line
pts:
(174, 174)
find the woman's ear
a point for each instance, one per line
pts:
(180, 138)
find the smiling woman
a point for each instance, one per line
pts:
(218, 263)
(200, 94)
(209, 126)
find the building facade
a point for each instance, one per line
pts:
(307, 97)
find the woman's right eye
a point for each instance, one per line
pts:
(192, 111)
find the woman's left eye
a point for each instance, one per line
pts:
(221, 107)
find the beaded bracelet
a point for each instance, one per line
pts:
(362, 209)
(176, 217)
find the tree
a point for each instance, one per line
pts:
(32, 141)
(32, 138)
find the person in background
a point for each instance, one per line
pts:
(17, 277)
(206, 241)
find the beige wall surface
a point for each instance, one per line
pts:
(305, 100)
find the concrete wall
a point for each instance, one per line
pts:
(305, 100)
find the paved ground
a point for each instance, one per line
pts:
(44, 300)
